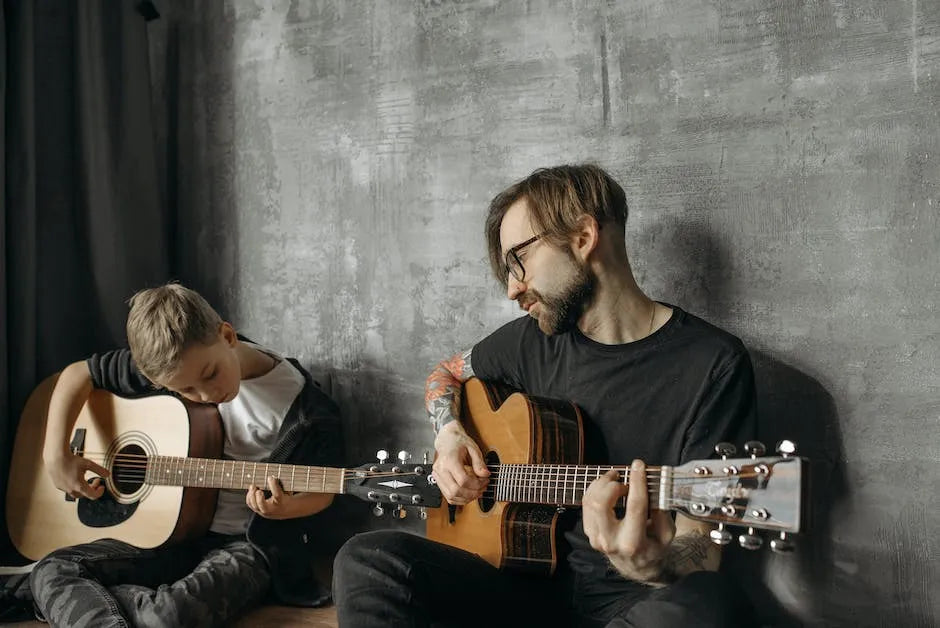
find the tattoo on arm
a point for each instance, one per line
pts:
(444, 387)
(687, 553)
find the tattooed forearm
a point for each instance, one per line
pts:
(693, 551)
(443, 389)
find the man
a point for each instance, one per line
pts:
(653, 382)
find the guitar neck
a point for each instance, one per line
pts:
(238, 474)
(565, 485)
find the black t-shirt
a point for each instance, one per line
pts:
(665, 399)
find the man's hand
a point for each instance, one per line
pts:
(68, 474)
(637, 544)
(459, 467)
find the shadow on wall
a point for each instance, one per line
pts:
(790, 589)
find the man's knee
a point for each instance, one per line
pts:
(703, 598)
(379, 552)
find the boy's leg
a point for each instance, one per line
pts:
(109, 583)
(70, 585)
(231, 577)
(395, 579)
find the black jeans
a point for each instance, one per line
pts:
(397, 580)
(110, 584)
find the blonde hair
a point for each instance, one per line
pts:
(557, 198)
(165, 321)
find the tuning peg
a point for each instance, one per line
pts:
(755, 448)
(403, 456)
(782, 544)
(382, 455)
(378, 511)
(720, 536)
(725, 449)
(400, 512)
(786, 448)
(750, 541)
(426, 459)
(422, 514)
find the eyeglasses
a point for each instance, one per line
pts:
(514, 265)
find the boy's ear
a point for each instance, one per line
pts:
(227, 333)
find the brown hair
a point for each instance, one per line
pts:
(557, 199)
(165, 321)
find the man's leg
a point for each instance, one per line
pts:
(396, 580)
(703, 599)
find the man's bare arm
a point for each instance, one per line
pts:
(444, 387)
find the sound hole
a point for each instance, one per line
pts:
(488, 500)
(129, 469)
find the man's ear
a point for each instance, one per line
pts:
(587, 237)
(227, 333)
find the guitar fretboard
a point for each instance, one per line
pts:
(562, 485)
(238, 474)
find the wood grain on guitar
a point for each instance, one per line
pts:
(164, 457)
(534, 447)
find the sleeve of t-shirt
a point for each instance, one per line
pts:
(116, 372)
(727, 412)
(498, 357)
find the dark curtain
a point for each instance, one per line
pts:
(83, 222)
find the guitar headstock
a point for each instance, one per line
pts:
(400, 484)
(757, 492)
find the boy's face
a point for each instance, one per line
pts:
(209, 373)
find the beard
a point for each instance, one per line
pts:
(559, 313)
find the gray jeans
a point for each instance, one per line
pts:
(109, 583)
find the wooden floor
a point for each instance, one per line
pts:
(264, 617)
(276, 616)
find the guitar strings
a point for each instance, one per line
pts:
(524, 471)
(135, 470)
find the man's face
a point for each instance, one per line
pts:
(556, 288)
(209, 373)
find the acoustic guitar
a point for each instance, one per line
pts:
(533, 448)
(163, 454)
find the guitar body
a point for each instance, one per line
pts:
(511, 428)
(40, 517)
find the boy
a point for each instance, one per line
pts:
(271, 410)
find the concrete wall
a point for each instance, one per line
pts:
(331, 162)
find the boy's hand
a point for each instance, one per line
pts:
(68, 474)
(279, 506)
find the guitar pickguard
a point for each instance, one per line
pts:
(105, 511)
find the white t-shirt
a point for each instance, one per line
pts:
(252, 421)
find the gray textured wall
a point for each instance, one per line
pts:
(331, 162)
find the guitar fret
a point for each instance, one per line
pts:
(530, 493)
(544, 477)
(524, 484)
(564, 492)
(512, 492)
